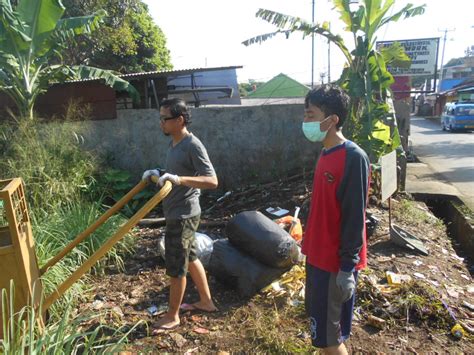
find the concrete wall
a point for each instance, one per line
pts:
(245, 144)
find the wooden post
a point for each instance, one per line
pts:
(17, 250)
(107, 246)
(91, 229)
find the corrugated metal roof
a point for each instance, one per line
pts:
(448, 84)
(469, 88)
(162, 73)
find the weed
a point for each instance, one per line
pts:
(49, 159)
(266, 327)
(54, 232)
(410, 213)
(25, 334)
(114, 184)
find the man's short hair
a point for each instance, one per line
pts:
(330, 99)
(177, 108)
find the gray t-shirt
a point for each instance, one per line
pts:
(187, 158)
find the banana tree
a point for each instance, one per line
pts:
(32, 36)
(365, 76)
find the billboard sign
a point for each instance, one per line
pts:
(423, 53)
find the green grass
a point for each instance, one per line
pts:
(53, 232)
(49, 159)
(266, 327)
(64, 198)
(67, 335)
(409, 212)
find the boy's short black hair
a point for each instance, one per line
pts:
(177, 108)
(330, 99)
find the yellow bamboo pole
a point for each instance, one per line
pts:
(107, 245)
(93, 227)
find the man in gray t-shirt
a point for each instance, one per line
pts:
(189, 169)
(187, 158)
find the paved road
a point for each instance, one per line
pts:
(449, 154)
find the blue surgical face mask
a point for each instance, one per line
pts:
(312, 131)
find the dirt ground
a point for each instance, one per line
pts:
(273, 321)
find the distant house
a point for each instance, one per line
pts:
(457, 84)
(199, 86)
(279, 90)
(454, 75)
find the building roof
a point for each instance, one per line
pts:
(161, 73)
(448, 84)
(467, 89)
(279, 87)
(164, 73)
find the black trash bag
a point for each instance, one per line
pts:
(371, 223)
(256, 235)
(239, 271)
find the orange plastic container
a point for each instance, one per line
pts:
(296, 231)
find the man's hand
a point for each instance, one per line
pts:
(346, 283)
(174, 179)
(149, 173)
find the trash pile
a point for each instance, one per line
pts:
(256, 252)
(416, 289)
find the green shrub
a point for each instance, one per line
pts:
(54, 232)
(49, 158)
(113, 184)
(68, 335)
(63, 196)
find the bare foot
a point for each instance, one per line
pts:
(167, 323)
(199, 306)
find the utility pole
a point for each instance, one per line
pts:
(312, 52)
(329, 59)
(446, 30)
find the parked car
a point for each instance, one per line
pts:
(458, 116)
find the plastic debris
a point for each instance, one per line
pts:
(405, 239)
(468, 305)
(457, 331)
(376, 322)
(458, 258)
(97, 305)
(451, 291)
(279, 212)
(200, 330)
(291, 284)
(152, 310)
(396, 279)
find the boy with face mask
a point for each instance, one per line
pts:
(334, 241)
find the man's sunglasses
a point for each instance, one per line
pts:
(163, 118)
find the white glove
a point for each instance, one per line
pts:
(346, 283)
(174, 179)
(149, 173)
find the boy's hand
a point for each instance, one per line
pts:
(346, 283)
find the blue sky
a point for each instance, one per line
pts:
(209, 33)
